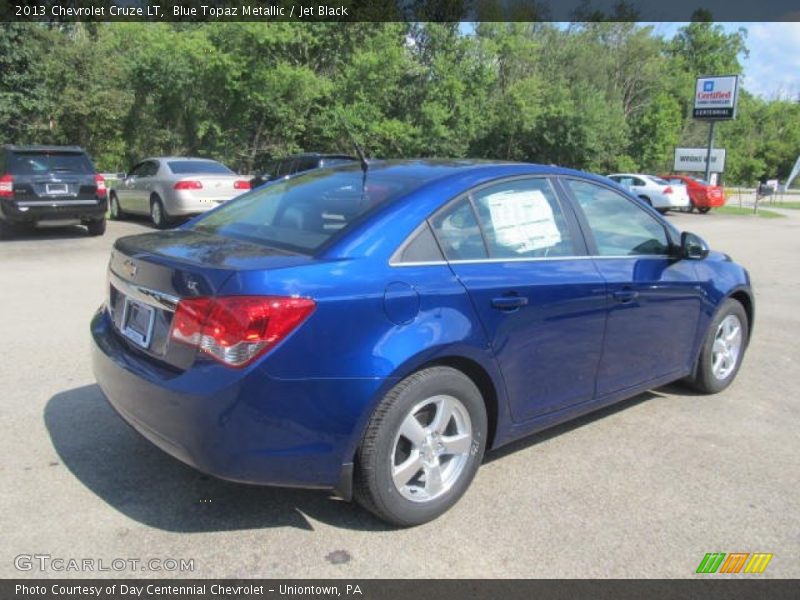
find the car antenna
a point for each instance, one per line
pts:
(359, 151)
(362, 158)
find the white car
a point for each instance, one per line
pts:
(658, 193)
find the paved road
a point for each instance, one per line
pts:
(641, 490)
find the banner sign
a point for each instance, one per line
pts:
(694, 159)
(715, 98)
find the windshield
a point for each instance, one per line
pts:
(33, 163)
(660, 181)
(302, 213)
(198, 167)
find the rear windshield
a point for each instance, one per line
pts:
(303, 213)
(660, 181)
(198, 167)
(33, 163)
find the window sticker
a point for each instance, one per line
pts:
(523, 220)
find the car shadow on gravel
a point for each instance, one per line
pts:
(147, 485)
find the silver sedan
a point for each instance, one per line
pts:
(174, 186)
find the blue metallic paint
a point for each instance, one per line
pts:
(296, 416)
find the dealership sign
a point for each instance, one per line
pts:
(694, 159)
(715, 97)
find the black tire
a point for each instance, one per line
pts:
(96, 227)
(692, 207)
(374, 487)
(703, 209)
(7, 230)
(705, 380)
(663, 211)
(114, 209)
(158, 215)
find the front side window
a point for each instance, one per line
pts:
(619, 227)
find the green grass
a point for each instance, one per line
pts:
(788, 204)
(741, 211)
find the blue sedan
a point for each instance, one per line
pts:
(374, 329)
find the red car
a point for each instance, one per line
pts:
(703, 195)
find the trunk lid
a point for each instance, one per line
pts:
(148, 275)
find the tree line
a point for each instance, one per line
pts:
(597, 96)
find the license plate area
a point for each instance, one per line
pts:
(57, 189)
(137, 322)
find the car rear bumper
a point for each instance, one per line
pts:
(32, 211)
(184, 203)
(239, 425)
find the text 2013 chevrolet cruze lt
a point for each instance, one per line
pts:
(373, 333)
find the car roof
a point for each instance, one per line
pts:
(317, 155)
(40, 148)
(187, 158)
(631, 175)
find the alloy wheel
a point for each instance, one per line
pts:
(431, 448)
(727, 347)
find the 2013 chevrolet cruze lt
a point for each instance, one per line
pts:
(374, 332)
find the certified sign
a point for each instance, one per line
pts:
(715, 97)
(694, 159)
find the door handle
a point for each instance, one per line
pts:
(625, 296)
(509, 303)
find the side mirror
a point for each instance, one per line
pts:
(693, 246)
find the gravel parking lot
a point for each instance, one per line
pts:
(643, 489)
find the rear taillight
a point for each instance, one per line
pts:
(241, 185)
(667, 190)
(188, 185)
(235, 330)
(6, 186)
(100, 182)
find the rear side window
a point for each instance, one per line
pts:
(523, 219)
(302, 213)
(198, 167)
(420, 248)
(619, 227)
(33, 163)
(458, 232)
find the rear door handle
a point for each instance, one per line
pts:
(509, 303)
(625, 296)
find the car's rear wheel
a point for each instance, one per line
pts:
(115, 209)
(422, 447)
(157, 213)
(96, 227)
(723, 349)
(7, 230)
(703, 209)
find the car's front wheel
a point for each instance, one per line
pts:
(422, 447)
(723, 349)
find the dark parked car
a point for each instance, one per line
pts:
(298, 163)
(376, 338)
(50, 184)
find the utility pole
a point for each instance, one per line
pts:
(708, 150)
